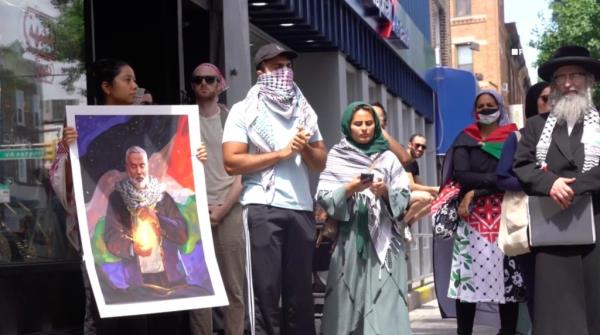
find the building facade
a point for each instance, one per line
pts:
(483, 44)
(349, 50)
(440, 31)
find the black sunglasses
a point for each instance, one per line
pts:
(208, 79)
(417, 146)
(544, 98)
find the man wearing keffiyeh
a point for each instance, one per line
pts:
(272, 138)
(558, 157)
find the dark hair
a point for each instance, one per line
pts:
(378, 104)
(412, 137)
(105, 70)
(531, 108)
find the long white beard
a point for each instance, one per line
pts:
(570, 109)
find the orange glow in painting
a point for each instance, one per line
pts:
(144, 234)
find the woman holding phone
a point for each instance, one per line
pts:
(365, 189)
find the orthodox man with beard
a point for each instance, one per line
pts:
(558, 157)
(144, 226)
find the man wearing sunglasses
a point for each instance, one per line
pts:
(223, 193)
(273, 139)
(421, 195)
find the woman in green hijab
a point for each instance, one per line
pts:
(365, 189)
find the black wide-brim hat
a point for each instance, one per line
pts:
(569, 55)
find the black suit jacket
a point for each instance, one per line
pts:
(565, 159)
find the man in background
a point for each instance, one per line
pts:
(223, 194)
(421, 195)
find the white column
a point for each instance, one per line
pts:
(363, 85)
(408, 122)
(327, 93)
(237, 49)
(396, 115)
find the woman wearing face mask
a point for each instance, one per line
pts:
(480, 272)
(365, 189)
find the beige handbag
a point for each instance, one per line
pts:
(514, 221)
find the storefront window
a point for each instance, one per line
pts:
(41, 71)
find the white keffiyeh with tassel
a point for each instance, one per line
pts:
(345, 162)
(591, 122)
(275, 93)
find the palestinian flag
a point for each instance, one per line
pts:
(494, 143)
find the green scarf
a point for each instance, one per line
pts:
(362, 228)
(378, 143)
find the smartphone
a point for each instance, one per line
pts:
(366, 177)
(138, 96)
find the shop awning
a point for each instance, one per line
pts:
(317, 26)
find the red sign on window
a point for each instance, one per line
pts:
(38, 38)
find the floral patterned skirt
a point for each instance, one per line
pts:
(480, 272)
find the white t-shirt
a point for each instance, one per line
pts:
(292, 190)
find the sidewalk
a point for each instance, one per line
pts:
(426, 320)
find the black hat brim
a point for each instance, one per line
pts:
(546, 70)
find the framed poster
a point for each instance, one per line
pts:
(142, 209)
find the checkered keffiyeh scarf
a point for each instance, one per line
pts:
(344, 163)
(276, 92)
(135, 198)
(591, 120)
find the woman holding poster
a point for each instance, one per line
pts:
(129, 269)
(115, 85)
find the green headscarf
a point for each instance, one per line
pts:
(378, 143)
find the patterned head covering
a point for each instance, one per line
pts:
(222, 85)
(504, 118)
